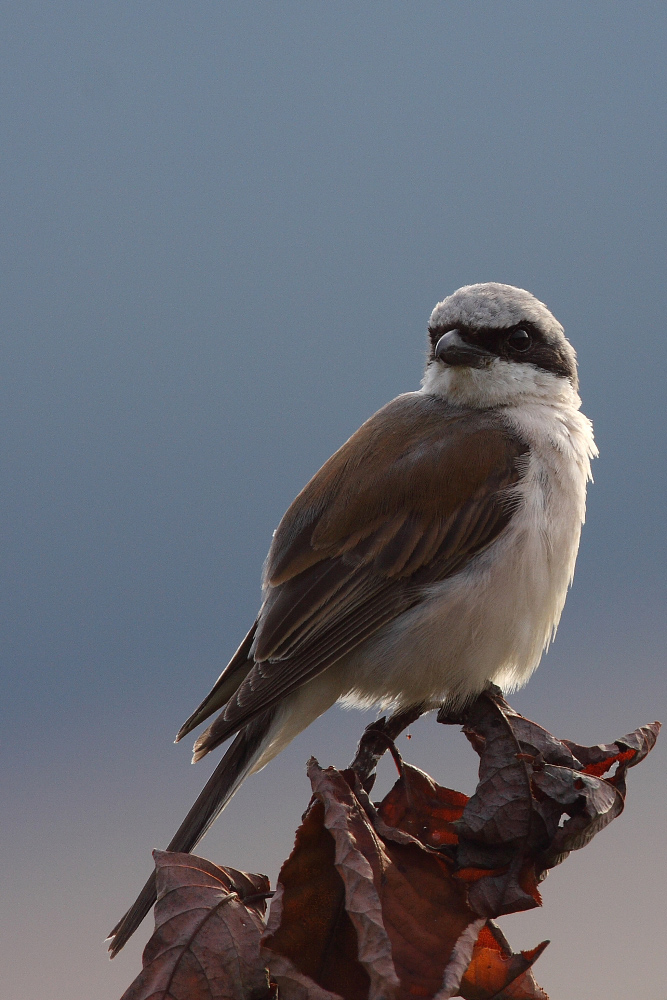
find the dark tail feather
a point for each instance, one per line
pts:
(216, 793)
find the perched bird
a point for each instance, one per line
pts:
(429, 557)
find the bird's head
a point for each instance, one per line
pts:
(493, 344)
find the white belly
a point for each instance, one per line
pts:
(492, 621)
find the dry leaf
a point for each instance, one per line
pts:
(410, 916)
(496, 973)
(510, 832)
(421, 807)
(206, 940)
(308, 927)
(391, 902)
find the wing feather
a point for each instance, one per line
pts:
(227, 683)
(416, 493)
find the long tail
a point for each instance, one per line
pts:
(237, 763)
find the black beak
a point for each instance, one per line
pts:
(452, 349)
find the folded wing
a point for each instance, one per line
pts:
(410, 499)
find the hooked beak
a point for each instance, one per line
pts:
(452, 349)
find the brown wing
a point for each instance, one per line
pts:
(407, 501)
(227, 683)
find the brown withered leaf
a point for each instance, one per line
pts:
(497, 973)
(502, 827)
(421, 807)
(206, 943)
(626, 752)
(509, 832)
(428, 922)
(392, 902)
(418, 805)
(309, 933)
(414, 931)
(591, 798)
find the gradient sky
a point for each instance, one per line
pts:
(224, 226)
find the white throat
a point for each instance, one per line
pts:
(501, 383)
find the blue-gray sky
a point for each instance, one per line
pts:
(223, 229)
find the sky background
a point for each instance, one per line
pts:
(224, 227)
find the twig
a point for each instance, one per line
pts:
(374, 742)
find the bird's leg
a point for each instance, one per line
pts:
(375, 740)
(457, 714)
(453, 715)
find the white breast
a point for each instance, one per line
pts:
(492, 621)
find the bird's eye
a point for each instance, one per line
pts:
(519, 340)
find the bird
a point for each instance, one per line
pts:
(428, 559)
